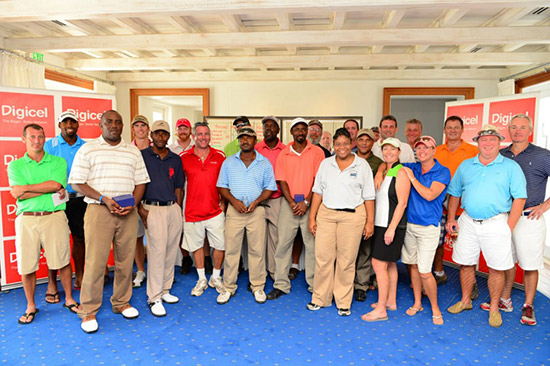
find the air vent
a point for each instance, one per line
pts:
(539, 11)
(475, 49)
(59, 22)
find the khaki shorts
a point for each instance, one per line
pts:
(50, 233)
(194, 233)
(420, 245)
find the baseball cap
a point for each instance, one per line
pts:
(67, 114)
(365, 131)
(391, 141)
(241, 119)
(140, 118)
(375, 129)
(160, 126)
(315, 122)
(270, 118)
(488, 130)
(298, 120)
(246, 131)
(429, 141)
(183, 122)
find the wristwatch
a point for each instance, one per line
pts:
(306, 202)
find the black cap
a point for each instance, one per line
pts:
(241, 119)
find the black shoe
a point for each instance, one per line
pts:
(441, 280)
(293, 273)
(275, 294)
(360, 295)
(186, 264)
(249, 287)
(208, 267)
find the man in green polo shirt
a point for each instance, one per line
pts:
(38, 181)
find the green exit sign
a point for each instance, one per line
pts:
(38, 56)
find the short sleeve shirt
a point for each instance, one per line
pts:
(59, 147)
(232, 148)
(110, 170)
(271, 155)
(419, 210)
(202, 200)
(166, 175)
(26, 171)
(247, 183)
(488, 190)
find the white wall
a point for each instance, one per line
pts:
(321, 98)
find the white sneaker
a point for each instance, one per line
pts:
(199, 288)
(89, 326)
(138, 281)
(157, 309)
(169, 298)
(216, 283)
(224, 297)
(130, 313)
(259, 296)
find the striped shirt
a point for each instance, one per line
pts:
(110, 170)
(535, 163)
(247, 184)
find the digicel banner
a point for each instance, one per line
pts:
(10, 262)
(472, 116)
(18, 109)
(9, 151)
(88, 111)
(501, 113)
(9, 208)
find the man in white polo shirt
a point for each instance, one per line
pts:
(104, 170)
(388, 128)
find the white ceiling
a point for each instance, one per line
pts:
(162, 40)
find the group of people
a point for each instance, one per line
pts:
(360, 205)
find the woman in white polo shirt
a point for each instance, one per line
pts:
(342, 209)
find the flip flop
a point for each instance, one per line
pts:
(27, 316)
(52, 298)
(416, 310)
(72, 307)
(366, 318)
(437, 317)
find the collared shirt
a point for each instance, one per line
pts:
(328, 153)
(299, 170)
(232, 148)
(406, 156)
(271, 155)
(166, 175)
(247, 183)
(453, 159)
(202, 199)
(346, 188)
(419, 210)
(26, 171)
(374, 162)
(177, 149)
(535, 163)
(110, 170)
(59, 147)
(488, 190)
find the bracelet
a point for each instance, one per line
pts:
(412, 180)
(100, 199)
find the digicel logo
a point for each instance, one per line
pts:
(503, 119)
(20, 113)
(470, 120)
(9, 158)
(84, 116)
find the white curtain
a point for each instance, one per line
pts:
(17, 72)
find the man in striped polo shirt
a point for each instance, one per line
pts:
(105, 170)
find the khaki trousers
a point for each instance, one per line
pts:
(337, 239)
(288, 227)
(272, 231)
(102, 229)
(363, 266)
(163, 236)
(235, 226)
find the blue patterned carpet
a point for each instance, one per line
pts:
(197, 331)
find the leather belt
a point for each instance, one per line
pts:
(352, 210)
(39, 213)
(158, 203)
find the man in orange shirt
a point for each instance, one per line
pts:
(451, 154)
(295, 171)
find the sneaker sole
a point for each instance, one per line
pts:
(525, 322)
(224, 302)
(199, 294)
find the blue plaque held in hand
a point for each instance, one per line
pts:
(125, 200)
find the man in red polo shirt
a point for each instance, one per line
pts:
(270, 148)
(203, 207)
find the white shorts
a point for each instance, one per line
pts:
(528, 240)
(492, 237)
(194, 233)
(420, 245)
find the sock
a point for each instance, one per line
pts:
(506, 301)
(200, 272)
(439, 274)
(294, 265)
(216, 273)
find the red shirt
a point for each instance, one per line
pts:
(271, 155)
(202, 200)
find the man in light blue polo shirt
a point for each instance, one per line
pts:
(493, 192)
(246, 180)
(65, 145)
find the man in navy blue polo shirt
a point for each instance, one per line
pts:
(65, 145)
(529, 236)
(161, 213)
